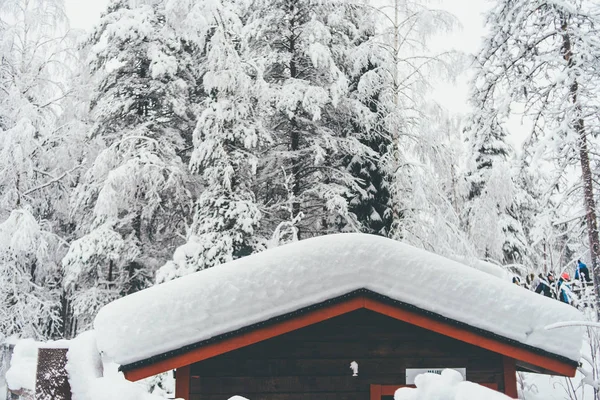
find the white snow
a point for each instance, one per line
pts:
(548, 387)
(84, 365)
(277, 281)
(450, 385)
(110, 388)
(91, 379)
(23, 366)
(484, 266)
(558, 325)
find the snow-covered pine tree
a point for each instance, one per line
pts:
(486, 137)
(540, 54)
(228, 133)
(134, 203)
(491, 215)
(39, 157)
(303, 47)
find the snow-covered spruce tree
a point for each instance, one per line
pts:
(543, 54)
(39, 158)
(372, 204)
(491, 215)
(536, 213)
(302, 46)
(226, 138)
(133, 205)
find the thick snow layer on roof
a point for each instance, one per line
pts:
(484, 266)
(272, 283)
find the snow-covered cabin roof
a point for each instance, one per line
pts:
(276, 282)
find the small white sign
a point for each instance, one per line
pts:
(411, 373)
(354, 368)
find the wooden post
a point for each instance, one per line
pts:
(375, 392)
(510, 377)
(182, 382)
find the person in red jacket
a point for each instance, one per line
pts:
(563, 288)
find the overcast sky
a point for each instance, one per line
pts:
(84, 13)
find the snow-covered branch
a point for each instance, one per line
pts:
(51, 182)
(566, 324)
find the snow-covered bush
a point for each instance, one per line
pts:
(450, 385)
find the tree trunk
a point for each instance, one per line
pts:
(590, 209)
(295, 133)
(586, 172)
(110, 273)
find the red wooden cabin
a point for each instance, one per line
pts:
(306, 353)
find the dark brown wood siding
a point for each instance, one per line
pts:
(314, 362)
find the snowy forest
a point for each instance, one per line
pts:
(177, 135)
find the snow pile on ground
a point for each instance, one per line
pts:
(281, 280)
(111, 388)
(450, 385)
(90, 379)
(84, 365)
(162, 385)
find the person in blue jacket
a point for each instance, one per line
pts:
(582, 272)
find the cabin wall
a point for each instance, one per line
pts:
(314, 362)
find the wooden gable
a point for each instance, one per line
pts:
(314, 362)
